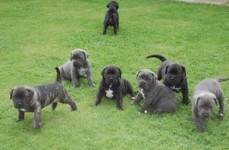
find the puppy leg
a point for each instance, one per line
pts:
(54, 106)
(221, 105)
(68, 100)
(119, 101)
(105, 29)
(98, 98)
(115, 29)
(37, 117)
(21, 115)
(198, 121)
(145, 108)
(138, 98)
(89, 77)
(74, 76)
(185, 99)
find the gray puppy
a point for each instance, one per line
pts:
(33, 99)
(206, 95)
(113, 86)
(174, 76)
(158, 97)
(78, 66)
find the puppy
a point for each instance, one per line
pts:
(158, 98)
(174, 76)
(78, 66)
(113, 86)
(33, 99)
(111, 17)
(207, 94)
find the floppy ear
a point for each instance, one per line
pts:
(166, 69)
(86, 54)
(31, 93)
(11, 93)
(108, 5)
(137, 74)
(216, 101)
(71, 56)
(117, 6)
(184, 71)
(120, 72)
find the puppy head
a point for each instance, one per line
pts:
(204, 103)
(111, 75)
(21, 97)
(175, 74)
(146, 79)
(79, 54)
(113, 4)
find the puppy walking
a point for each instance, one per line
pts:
(174, 76)
(111, 17)
(113, 86)
(158, 98)
(207, 94)
(78, 66)
(33, 99)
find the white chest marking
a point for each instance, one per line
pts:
(109, 93)
(141, 91)
(82, 71)
(23, 109)
(175, 88)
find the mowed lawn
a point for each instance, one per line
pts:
(37, 35)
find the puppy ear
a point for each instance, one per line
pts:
(108, 5)
(31, 93)
(184, 71)
(117, 6)
(137, 74)
(120, 72)
(86, 54)
(166, 69)
(11, 93)
(71, 56)
(216, 101)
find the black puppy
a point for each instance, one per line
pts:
(111, 17)
(113, 86)
(174, 76)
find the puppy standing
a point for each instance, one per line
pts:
(33, 99)
(174, 76)
(158, 97)
(111, 17)
(207, 94)
(113, 86)
(77, 67)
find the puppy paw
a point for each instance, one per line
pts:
(145, 112)
(221, 114)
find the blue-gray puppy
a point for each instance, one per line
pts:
(78, 66)
(33, 99)
(158, 98)
(207, 94)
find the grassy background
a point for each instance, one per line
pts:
(36, 36)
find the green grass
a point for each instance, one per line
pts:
(36, 36)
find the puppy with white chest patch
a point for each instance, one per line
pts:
(113, 86)
(78, 66)
(207, 94)
(158, 98)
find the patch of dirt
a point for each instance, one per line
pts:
(216, 2)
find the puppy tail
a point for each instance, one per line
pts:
(222, 79)
(58, 76)
(162, 58)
